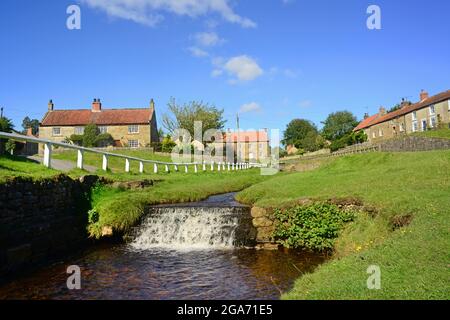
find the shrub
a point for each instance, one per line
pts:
(168, 144)
(104, 140)
(91, 132)
(77, 139)
(312, 227)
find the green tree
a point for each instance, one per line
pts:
(338, 124)
(297, 130)
(91, 132)
(6, 125)
(184, 116)
(167, 144)
(30, 123)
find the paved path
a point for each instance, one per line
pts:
(62, 165)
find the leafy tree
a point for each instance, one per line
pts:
(30, 123)
(6, 125)
(91, 132)
(296, 131)
(185, 115)
(104, 139)
(338, 124)
(167, 144)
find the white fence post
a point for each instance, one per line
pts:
(105, 162)
(80, 159)
(141, 167)
(223, 166)
(186, 169)
(167, 168)
(127, 165)
(155, 168)
(195, 168)
(218, 166)
(204, 166)
(232, 166)
(175, 167)
(212, 165)
(48, 155)
(228, 166)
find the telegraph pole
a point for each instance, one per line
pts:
(1, 113)
(238, 139)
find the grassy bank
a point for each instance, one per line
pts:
(443, 133)
(414, 259)
(12, 166)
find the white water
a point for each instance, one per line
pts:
(188, 228)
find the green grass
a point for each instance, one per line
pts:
(414, 260)
(443, 133)
(13, 166)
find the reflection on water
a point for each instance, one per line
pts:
(121, 272)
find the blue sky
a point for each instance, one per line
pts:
(273, 60)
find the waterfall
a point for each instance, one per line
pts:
(193, 227)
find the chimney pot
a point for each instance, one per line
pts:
(366, 115)
(382, 111)
(50, 105)
(152, 104)
(96, 105)
(423, 95)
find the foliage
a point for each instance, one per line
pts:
(30, 123)
(297, 130)
(338, 124)
(10, 146)
(167, 144)
(6, 125)
(76, 139)
(156, 146)
(104, 140)
(314, 227)
(183, 117)
(91, 132)
(348, 140)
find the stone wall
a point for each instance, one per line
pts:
(40, 220)
(263, 221)
(413, 143)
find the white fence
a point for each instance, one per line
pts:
(212, 166)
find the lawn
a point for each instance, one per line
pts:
(12, 166)
(414, 259)
(443, 133)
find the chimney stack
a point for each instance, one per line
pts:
(152, 104)
(423, 95)
(50, 105)
(382, 111)
(96, 105)
(366, 115)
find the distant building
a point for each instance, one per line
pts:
(132, 128)
(428, 113)
(248, 145)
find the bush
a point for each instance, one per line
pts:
(168, 144)
(104, 140)
(76, 139)
(313, 227)
(91, 132)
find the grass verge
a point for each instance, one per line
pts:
(414, 259)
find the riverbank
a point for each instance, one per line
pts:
(406, 235)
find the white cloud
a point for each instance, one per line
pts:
(216, 73)
(208, 39)
(149, 12)
(197, 52)
(243, 68)
(250, 107)
(305, 103)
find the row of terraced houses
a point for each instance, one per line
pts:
(428, 113)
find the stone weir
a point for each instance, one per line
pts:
(218, 222)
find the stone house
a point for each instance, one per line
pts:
(248, 145)
(134, 128)
(428, 113)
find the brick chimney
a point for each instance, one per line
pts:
(382, 111)
(29, 132)
(423, 95)
(366, 115)
(50, 105)
(152, 104)
(96, 105)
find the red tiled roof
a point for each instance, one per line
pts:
(247, 136)
(392, 115)
(103, 117)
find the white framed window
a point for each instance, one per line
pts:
(432, 110)
(433, 122)
(380, 132)
(133, 128)
(414, 116)
(103, 129)
(56, 131)
(415, 126)
(448, 103)
(402, 127)
(374, 135)
(133, 143)
(79, 130)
